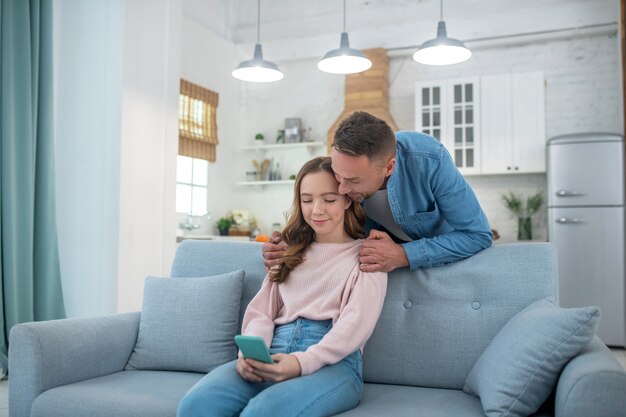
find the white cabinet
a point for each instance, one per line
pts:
(513, 123)
(492, 124)
(448, 110)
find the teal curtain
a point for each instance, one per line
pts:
(29, 272)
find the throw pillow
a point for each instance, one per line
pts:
(519, 369)
(188, 324)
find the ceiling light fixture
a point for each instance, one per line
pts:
(257, 70)
(442, 50)
(344, 60)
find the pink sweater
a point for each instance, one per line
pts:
(327, 285)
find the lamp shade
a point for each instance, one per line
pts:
(442, 50)
(257, 70)
(344, 60)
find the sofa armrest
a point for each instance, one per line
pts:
(44, 355)
(591, 384)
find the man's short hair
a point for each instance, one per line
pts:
(364, 134)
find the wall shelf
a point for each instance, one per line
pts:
(282, 146)
(282, 182)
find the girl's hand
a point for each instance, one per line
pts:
(286, 367)
(246, 371)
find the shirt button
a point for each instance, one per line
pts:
(407, 304)
(475, 305)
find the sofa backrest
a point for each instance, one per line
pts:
(435, 322)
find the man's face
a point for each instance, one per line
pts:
(358, 177)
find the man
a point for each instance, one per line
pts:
(421, 211)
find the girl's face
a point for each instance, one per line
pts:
(323, 208)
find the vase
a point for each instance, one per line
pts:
(524, 228)
(223, 232)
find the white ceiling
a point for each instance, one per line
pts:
(288, 26)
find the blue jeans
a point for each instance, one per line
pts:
(330, 390)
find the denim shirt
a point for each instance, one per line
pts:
(433, 204)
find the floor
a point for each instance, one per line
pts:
(620, 355)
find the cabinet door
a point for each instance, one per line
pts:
(495, 123)
(462, 135)
(529, 131)
(429, 108)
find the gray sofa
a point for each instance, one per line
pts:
(434, 325)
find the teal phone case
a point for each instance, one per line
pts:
(254, 347)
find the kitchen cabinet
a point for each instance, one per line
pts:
(290, 156)
(493, 124)
(447, 110)
(513, 123)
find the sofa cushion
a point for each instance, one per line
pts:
(520, 367)
(400, 401)
(188, 324)
(123, 394)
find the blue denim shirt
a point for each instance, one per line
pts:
(433, 204)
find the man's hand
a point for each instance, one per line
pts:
(246, 371)
(381, 253)
(273, 250)
(286, 367)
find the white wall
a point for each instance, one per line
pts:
(149, 145)
(88, 45)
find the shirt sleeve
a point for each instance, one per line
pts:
(353, 327)
(460, 207)
(258, 319)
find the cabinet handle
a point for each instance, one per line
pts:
(573, 220)
(508, 168)
(570, 193)
(516, 168)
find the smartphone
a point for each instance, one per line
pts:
(254, 347)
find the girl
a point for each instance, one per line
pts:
(315, 310)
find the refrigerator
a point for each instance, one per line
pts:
(585, 175)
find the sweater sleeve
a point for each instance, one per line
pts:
(353, 327)
(261, 312)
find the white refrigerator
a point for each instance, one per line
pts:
(586, 225)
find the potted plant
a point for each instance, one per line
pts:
(524, 214)
(223, 224)
(259, 138)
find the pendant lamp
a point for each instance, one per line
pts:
(442, 50)
(344, 60)
(257, 70)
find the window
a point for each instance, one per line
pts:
(197, 126)
(191, 185)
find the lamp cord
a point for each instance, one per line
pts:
(440, 10)
(258, 22)
(344, 15)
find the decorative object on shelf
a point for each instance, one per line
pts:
(223, 224)
(524, 214)
(259, 138)
(344, 60)
(293, 130)
(258, 70)
(292, 177)
(262, 169)
(280, 136)
(442, 50)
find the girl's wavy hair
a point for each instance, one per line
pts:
(298, 235)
